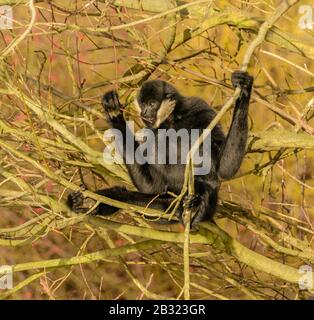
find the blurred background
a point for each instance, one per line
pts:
(60, 57)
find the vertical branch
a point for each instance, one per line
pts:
(187, 214)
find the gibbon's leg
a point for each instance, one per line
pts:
(141, 174)
(160, 202)
(234, 149)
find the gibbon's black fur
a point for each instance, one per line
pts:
(162, 106)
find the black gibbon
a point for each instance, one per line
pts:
(163, 107)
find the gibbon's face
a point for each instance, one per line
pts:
(149, 111)
(156, 101)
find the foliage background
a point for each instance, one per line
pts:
(51, 129)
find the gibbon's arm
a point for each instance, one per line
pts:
(141, 174)
(234, 149)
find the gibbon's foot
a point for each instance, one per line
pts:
(242, 80)
(196, 204)
(79, 204)
(111, 104)
(75, 202)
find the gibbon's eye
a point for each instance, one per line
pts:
(152, 103)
